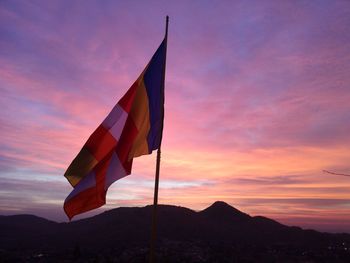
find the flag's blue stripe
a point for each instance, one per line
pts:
(153, 80)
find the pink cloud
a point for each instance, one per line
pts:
(256, 101)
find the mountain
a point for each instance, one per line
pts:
(218, 233)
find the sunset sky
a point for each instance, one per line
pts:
(257, 103)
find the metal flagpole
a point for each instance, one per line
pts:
(156, 184)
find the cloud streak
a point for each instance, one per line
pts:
(256, 103)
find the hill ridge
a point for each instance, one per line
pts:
(181, 232)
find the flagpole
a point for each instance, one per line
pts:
(156, 183)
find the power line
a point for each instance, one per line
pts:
(325, 171)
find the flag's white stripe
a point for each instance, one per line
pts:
(115, 171)
(115, 121)
(87, 182)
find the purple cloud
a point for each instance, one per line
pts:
(256, 100)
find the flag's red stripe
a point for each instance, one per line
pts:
(86, 200)
(90, 198)
(126, 140)
(95, 197)
(100, 143)
(141, 133)
(127, 100)
(100, 171)
(127, 165)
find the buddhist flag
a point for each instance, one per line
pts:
(134, 127)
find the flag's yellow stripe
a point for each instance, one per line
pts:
(140, 116)
(81, 165)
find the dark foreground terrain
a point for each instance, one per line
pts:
(219, 233)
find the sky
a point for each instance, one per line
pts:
(257, 103)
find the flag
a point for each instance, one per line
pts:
(133, 128)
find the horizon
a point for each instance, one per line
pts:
(175, 206)
(256, 104)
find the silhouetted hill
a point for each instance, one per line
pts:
(123, 233)
(223, 212)
(25, 231)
